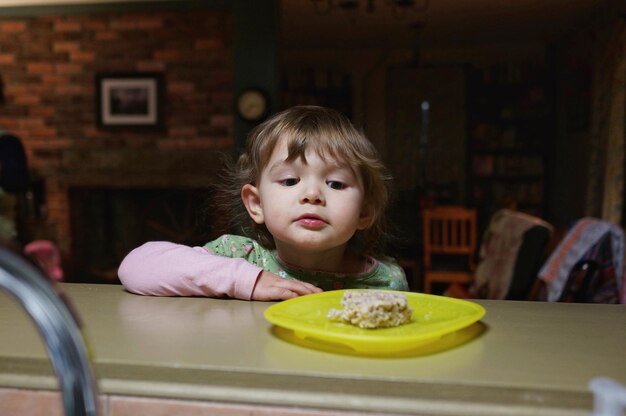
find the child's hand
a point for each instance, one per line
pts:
(273, 287)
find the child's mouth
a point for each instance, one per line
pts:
(311, 221)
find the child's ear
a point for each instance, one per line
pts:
(252, 201)
(366, 219)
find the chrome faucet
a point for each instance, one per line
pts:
(60, 329)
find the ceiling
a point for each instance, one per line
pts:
(446, 23)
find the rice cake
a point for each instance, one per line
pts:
(372, 309)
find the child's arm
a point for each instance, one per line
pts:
(161, 268)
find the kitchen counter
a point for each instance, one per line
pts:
(527, 357)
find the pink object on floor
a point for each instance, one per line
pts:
(48, 256)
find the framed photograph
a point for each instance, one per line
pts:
(129, 100)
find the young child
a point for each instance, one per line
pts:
(314, 193)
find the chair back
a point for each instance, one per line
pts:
(512, 251)
(449, 230)
(530, 257)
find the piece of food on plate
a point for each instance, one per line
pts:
(372, 309)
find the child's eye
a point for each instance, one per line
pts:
(335, 184)
(289, 181)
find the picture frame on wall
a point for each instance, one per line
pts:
(130, 100)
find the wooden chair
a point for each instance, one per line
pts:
(449, 245)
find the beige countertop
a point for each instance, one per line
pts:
(530, 358)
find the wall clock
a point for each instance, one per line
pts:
(252, 104)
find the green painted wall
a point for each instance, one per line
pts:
(256, 53)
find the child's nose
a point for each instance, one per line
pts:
(312, 195)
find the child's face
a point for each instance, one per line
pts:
(309, 207)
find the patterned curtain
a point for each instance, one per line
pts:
(605, 195)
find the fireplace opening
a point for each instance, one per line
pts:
(107, 223)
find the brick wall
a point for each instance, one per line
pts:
(49, 64)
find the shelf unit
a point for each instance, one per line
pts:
(511, 130)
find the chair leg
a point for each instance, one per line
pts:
(426, 284)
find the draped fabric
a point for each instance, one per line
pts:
(589, 239)
(499, 252)
(605, 191)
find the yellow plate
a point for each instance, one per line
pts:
(433, 317)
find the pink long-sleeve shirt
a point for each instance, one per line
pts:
(161, 268)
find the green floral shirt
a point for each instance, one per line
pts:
(385, 274)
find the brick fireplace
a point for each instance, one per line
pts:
(116, 200)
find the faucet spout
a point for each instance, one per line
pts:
(60, 329)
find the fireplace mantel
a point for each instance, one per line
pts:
(140, 168)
